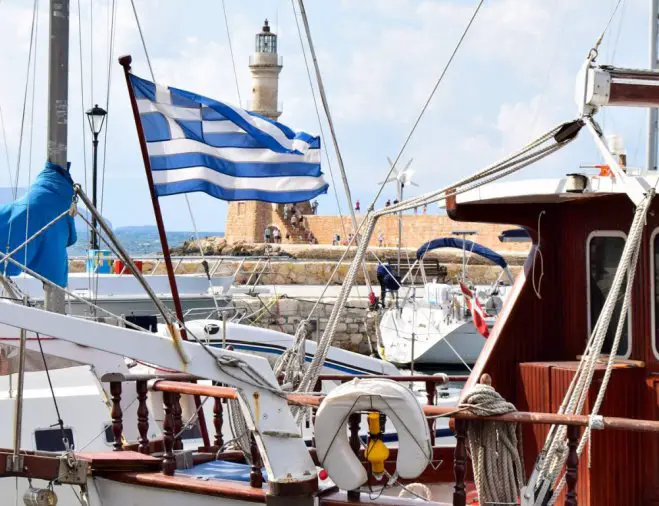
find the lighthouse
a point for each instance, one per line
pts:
(265, 65)
(246, 221)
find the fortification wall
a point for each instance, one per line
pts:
(417, 229)
(247, 221)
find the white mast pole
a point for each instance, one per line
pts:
(58, 108)
(651, 159)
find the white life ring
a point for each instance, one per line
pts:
(383, 395)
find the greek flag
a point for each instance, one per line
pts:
(199, 144)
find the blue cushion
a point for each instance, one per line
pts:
(221, 470)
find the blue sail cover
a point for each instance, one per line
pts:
(454, 242)
(48, 197)
(514, 235)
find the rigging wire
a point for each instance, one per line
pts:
(91, 50)
(31, 129)
(233, 61)
(4, 138)
(320, 123)
(139, 28)
(430, 97)
(22, 129)
(112, 34)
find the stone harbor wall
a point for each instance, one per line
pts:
(284, 314)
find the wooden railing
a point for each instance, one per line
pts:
(175, 385)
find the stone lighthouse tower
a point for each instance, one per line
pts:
(246, 221)
(265, 65)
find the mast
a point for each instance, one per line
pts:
(58, 107)
(651, 159)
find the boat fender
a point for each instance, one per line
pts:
(394, 400)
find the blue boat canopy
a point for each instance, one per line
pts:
(514, 235)
(454, 242)
(48, 197)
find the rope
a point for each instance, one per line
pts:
(531, 153)
(233, 60)
(538, 254)
(139, 28)
(430, 97)
(320, 123)
(495, 447)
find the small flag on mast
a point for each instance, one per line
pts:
(477, 311)
(199, 144)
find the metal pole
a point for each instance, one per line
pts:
(651, 156)
(18, 411)
(94, 236)
(125, 62)
(400, 222)
(339, 158)
(58, 109)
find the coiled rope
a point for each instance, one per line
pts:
(495, 447)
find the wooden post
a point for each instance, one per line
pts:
(117, 416)
(353, 424)
(168, 459)
(573, 433)
(431, 390)
(218, 421)
(142, 416)
(255, 476)
(178, 421)
(125, 62)
(460, 463)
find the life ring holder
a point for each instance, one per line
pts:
(391, 398)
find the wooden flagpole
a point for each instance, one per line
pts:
(125, 62)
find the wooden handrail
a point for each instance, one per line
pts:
(516, 417)
(416, 377)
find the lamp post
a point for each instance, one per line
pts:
(96, 116)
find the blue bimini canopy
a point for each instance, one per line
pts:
(514, 235)
(454, 242)
(47, 198)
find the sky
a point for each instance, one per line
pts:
(512, 79)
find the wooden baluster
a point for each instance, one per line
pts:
(460, 463)
(353, 424)
(573, 434)
(117, 416)
(255, 476)
(168, 460)
(318, 387)
(431, 390)
(142, 417)
(218, 420)
(178, 422)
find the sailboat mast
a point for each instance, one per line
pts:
(653, 116)
(58, 108)
(58, 82)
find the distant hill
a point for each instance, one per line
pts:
(131, 229)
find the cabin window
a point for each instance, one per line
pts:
(604, 252)
(52, 439)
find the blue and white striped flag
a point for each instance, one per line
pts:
(199, 144)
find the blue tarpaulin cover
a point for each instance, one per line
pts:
(48, 197)
(454, 242)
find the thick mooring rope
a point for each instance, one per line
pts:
(495, 447)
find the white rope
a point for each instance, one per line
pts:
(537, 254)
(554, 453)
(494, 447)
(516, 161)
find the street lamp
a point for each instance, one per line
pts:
(96, 116)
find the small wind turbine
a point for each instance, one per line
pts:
(402, 178)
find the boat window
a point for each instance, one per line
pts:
(604, 252)
(52, 439)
